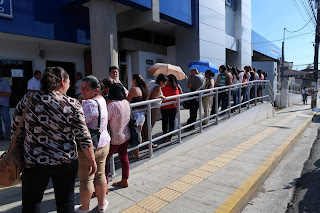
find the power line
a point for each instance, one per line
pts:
(299, 10)
(299, 29)
(312, 9)
(307, 11)
(300, 65)
(285, 38)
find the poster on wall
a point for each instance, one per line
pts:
(6, 9)
(17, 73)
(149, 62)
(9, 79)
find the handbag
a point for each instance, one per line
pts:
(11, 163)
(95, 133)
(134, 130)
(186, 104)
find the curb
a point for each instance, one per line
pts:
(237, 201)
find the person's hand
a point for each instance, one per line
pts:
(92, 167)
(163, 97)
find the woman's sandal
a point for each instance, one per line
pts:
(103, 208)
(153, 145)
(134, 157)
(119, 184)
(94, 194)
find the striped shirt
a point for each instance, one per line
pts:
(222, 81)
(53, 128)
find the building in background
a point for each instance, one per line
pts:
(88, 36)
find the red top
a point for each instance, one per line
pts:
(169, 91)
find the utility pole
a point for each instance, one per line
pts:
(315, 65)
(282, 57)
(284, 84)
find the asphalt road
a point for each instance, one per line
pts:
(306, 197)
(294, 185)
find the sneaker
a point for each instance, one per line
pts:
(78, 210)
(103, 209)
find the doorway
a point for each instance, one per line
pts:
(70, 68)
(123, 75)
(17, 72)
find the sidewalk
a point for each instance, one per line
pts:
(208, 174)
(203, 174)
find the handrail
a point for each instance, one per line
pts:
(214, 92)
(141, 103)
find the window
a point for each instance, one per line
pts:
(18, 83)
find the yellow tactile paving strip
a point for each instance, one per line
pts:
(160, 199)
(241, 195)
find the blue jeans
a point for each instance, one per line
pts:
(244, 94)
(5, 117)
(235, 97)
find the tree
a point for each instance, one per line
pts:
(309, 66)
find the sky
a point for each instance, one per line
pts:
(270, 17)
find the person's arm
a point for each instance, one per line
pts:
(5, 94)
(190, 83)
(156, 93)
(212, 83)
(131, 94)
(92, 165)
(218, 79)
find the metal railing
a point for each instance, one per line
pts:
(247, 89)
(294, 87)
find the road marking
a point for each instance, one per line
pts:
(13, 186)
(236, 201)
(163, 197)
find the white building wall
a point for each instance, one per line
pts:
(230, 13)
(171, 55)
(243, 32)
(138, 62)
(212, 28)
(54, 51)
(187, 49)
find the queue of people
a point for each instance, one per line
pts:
(63, 137)
(226, 76)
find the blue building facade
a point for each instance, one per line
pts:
(88, 36)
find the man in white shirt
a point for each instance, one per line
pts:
(34, 84)
(114, 76)
(77, 86)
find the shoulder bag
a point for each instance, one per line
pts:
(11, 161)
(134, 130)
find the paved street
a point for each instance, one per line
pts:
(278, 190)
(307, 191)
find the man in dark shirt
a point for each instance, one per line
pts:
(195, 83)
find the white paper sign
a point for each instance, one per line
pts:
(16, 73)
